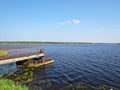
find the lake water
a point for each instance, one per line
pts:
(90, 64)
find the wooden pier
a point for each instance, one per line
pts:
(36, 59)
(7, 61)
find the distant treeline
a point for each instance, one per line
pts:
(39, 42)
(34, 42)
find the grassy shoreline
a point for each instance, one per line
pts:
(3, 53)
(6, 84)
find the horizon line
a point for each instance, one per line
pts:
(51, 42)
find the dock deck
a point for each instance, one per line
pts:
(26, 55)
(19, 58)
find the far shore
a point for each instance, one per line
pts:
(37, 42)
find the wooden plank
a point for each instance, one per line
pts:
(7, 61)
(45, 63)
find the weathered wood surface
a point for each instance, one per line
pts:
(19, 58)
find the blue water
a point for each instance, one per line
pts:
(91, 64)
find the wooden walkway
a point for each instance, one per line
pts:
(20, 57)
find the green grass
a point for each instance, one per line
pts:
(3, 53)
(30, 65)
(6, 84)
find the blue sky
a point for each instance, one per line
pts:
(60, 20)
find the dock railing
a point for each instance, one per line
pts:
(37, 51)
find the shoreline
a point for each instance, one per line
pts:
(35, 42)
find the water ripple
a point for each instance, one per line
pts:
(92, 64)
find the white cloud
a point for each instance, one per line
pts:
(65, 22)
(75, 21)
